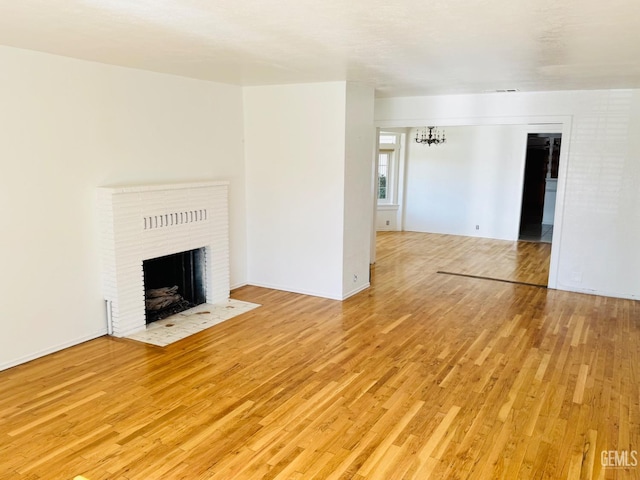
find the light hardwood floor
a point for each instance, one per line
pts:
(424, 375)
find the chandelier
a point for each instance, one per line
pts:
(431, 138)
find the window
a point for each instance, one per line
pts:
(388, 138)
(384, 159)
(387, 167)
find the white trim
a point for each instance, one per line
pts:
(356, 291)
(299, 291)
(163, 186)
(564, 129)
(601, 293)
(444, 122)
(388, 206)
(47, 351)
(402, 179)
(374, 183)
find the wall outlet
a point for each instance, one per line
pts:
(387, 222)
(576, 276)
(477, 227)
(355, 278)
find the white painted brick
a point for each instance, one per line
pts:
(126, 243)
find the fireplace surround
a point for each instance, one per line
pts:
(144, 222)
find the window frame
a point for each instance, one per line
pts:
(392, 149)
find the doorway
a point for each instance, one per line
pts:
(539, 187)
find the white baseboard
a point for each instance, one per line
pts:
(53, 349)
(301, 292)
(311, 293)
(587, 291)
(357, 290)
(238, 285)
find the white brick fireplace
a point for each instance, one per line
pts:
(143, 222)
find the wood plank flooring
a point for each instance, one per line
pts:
(524, 262)
(423, 375)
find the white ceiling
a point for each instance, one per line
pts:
(403, 47)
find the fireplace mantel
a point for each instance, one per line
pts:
(115, 189)
(141, 222)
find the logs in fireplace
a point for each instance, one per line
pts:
(159, 298)
(163, 302)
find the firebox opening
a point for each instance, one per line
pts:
(173, 283)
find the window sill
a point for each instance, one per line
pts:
(388, 206)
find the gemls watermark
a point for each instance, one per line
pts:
(619, 458)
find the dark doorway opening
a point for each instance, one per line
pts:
(173, 283)
(540, 186)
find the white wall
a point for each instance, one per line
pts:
(549, 208)
(387, 218)
(309, 157)
(595, 243)
(358, 187)
(69, 126)
(294, 152)
(473, 179)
